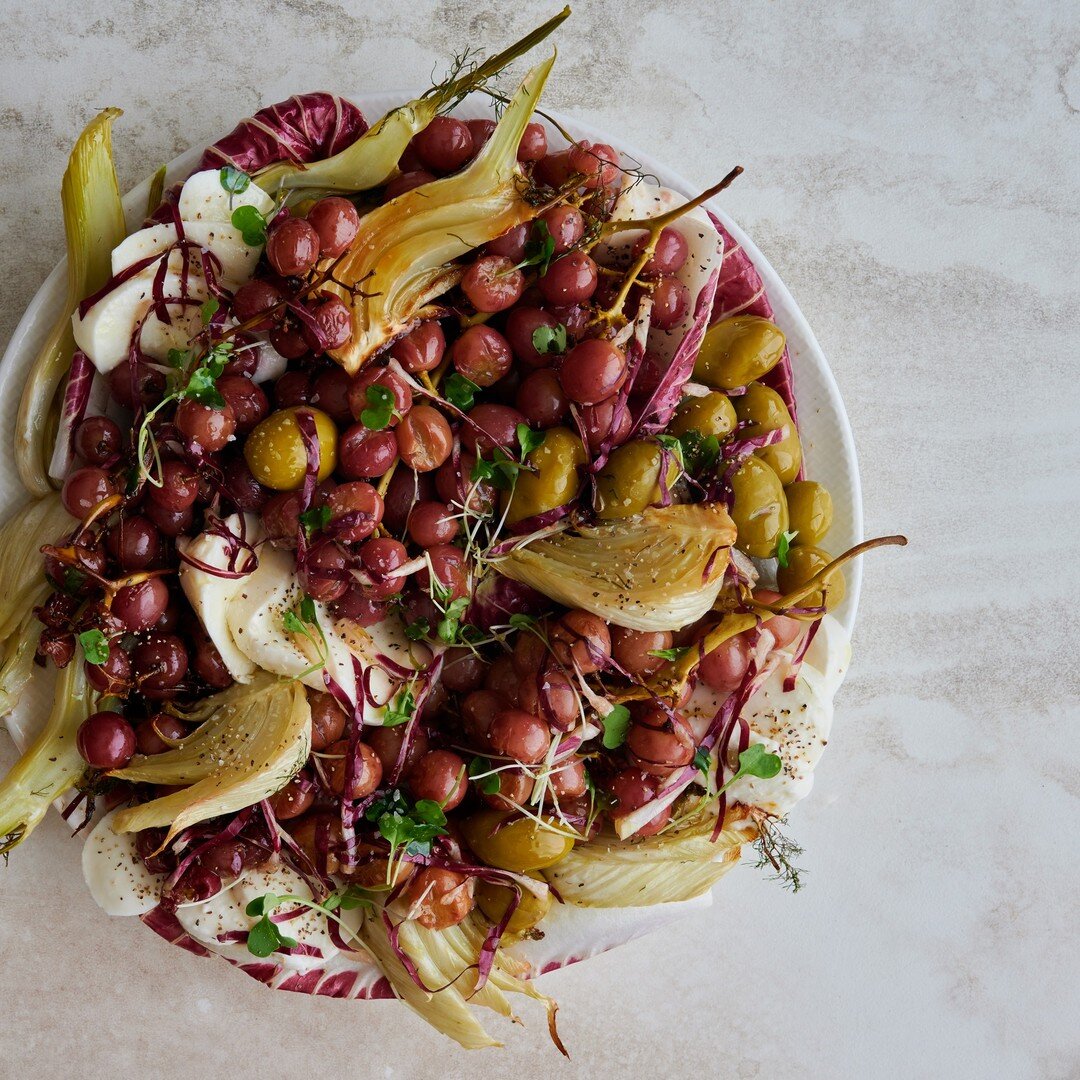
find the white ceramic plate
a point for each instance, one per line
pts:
(826, 437)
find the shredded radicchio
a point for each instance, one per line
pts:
(660, 407)
(305, 420)
(235, 547)
(497, 598)
(792, 676)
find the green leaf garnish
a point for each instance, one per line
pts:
(401, 710)
(550, 339)
(699, 452)
(670, 654)
(95, 646)
(262, 905)
(615, 725)
(460, 391)
(523, 622)
(416, 631)
(265, 937)
(73, 579)
(308, 612)
(380, 407)
(208, 309)
(755, 760)
(411, 828)
(315, 519)
(783, 547)
(702, 761)
(201, 383)
(528, 439)
(539, 248)
(488, 781)
(252, 225)
(233, 180)
(450, 623)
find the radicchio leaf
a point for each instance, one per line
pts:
(77, 396)
(660, 407)
(305, 127)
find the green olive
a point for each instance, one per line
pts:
(802, 564)
(737, 351)
(712, 414)
(520, 845)
(556, 480)
(764, 410)
(809, 511)
(630, 481)
(495, 899)
(276, 454)
(759, 509)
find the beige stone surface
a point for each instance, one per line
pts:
(912, 172)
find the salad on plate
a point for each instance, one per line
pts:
(420, 556)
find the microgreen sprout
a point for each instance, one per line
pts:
(95, 646)
(306, 624)
(615, 726)
(401, 709)
(550, 339)
(233, 180)
(783, 547)
(539, 248)
(193, 378)
(380, 407)
(315, 519)
(460, 391)
(265, 937)
(410, 828)
(486, 777)
(699, 452)
(252, 225)
(528, 439)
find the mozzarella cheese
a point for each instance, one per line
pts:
(794, 725)
(236, 260)
(225, 914)
(245, 619)
(115, 874)
(106, 331)
(210, 594)
(202, 198)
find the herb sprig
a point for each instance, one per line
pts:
(410, 828)
(265, 937)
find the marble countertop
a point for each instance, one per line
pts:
(912, 173)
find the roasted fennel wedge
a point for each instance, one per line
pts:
(403, 256)
(373, 159)
(52, 763)
(658, 570)
(253, 739)
(662, 869)
(22, 583)
(445, 962)
(93, 226)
